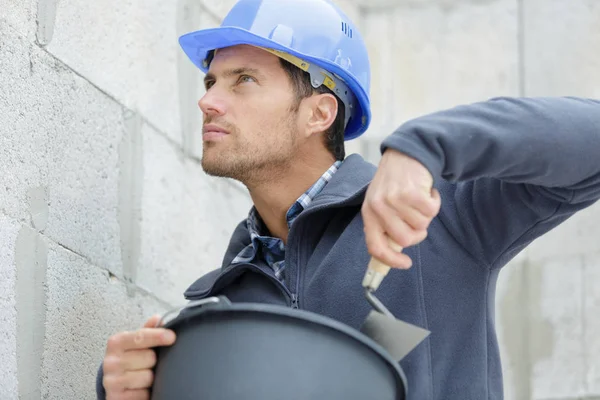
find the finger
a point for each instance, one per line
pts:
(378, 244)
(152, 321)
(393, 222)
(380, 249)
(131, 394)
(397, 229)
(144, 338)
(402, 234)
(424, 202)
(413, 218)
(141, 379)
(134, 360)
(135, 394)
(118, 383)
(410, 216)
(131, 360)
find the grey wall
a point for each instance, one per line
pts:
(106, 216)
(431, 54)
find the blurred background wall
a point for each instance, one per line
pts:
(106, 215)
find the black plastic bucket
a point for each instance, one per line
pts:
(250, 351)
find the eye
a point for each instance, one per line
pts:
(208, 84)
(245, 79)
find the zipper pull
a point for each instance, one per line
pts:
(294, 300)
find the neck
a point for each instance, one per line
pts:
(273, 198)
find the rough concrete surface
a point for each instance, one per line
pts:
(23, 137)
(128, 49)
(20, 15)
(556, 328)
(591, 322)
(576, 236)
(191, 15)
(547, 322)
(60, 133)
(31, 255)
(9, 230)
(46, 19)
(130, 194)
(433, 57)
(562, 47)
(186, 221)
(219, 8)
(85, 306)
(512, 328)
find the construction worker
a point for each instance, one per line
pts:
(461, 190)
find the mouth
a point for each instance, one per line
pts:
(212, 132)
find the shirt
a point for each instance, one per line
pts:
(271, 248)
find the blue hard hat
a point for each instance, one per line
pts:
(315, 35)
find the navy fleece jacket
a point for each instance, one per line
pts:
(508, 170)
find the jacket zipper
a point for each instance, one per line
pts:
(293, 297)
(296, 296)
(294, 300)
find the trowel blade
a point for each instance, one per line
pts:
(398, 337)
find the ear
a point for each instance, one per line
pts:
(321, 112)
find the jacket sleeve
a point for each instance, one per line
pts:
(518, 167)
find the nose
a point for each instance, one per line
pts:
(211, 103)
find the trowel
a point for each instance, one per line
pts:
(398, 337)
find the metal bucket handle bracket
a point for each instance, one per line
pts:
(212, 302)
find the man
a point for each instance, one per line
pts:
(286, 83)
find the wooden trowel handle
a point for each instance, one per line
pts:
(377, 270)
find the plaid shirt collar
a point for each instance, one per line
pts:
(272, 248)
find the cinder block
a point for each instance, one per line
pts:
(438, 55)
(85, 306)
(556, 346)
(512, 328)
(20, 15)
(561, 48)
(191, 17)
(219, 7)
(354, 146)
(9, 230)
(59, 149)
(592, 323)
(576, 236)
(187, 219)
(133, 54)
(23, 123)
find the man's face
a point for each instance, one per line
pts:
(250, 128)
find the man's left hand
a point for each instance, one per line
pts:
(399, 206)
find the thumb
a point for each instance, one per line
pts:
(152, 321)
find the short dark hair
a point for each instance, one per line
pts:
(334, 136)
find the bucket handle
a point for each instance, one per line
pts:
(213, 301)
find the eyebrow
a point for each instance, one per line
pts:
(233, 72)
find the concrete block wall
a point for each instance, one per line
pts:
(106, 215)
(429, 55)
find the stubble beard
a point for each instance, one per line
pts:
(250, 163)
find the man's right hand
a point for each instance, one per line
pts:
(129, 361)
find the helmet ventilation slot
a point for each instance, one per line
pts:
(346, 29)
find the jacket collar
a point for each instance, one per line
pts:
(349, 183)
